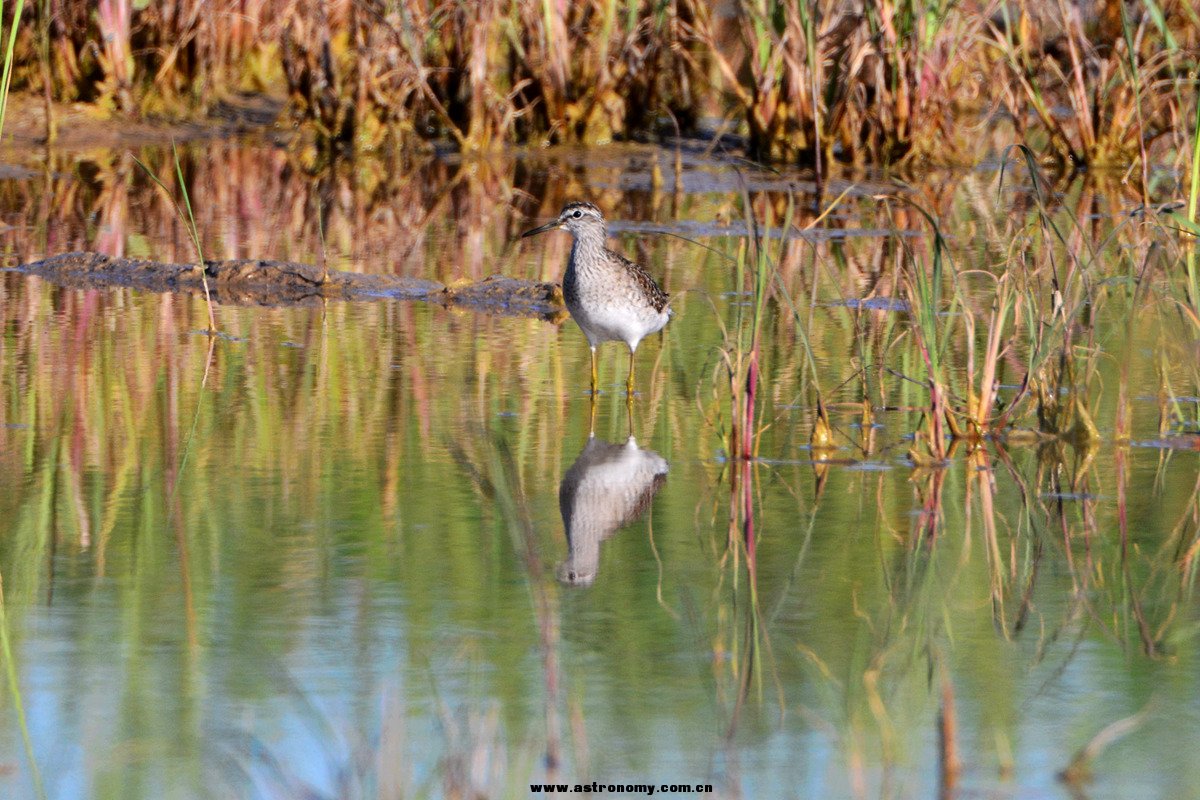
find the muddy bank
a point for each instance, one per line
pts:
(284, 283)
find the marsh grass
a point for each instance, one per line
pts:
(1118, 79)
(1193, 208)
(1023, 311)
(14, 26)
(803, 74)
(807, 82)
(1007, 348)
(743, 631)
(753, 272)
(924, 285)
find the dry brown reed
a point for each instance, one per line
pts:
(824, 80)
(1098, 82)
(870, 82)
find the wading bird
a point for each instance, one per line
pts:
(610, 297)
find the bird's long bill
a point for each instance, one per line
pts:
(549, 226)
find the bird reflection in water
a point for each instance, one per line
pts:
(608, 487)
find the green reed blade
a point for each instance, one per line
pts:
(1193, 199)
(6, 77)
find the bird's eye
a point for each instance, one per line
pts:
(577, 214)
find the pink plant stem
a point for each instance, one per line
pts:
(748, 515)
(748, 420)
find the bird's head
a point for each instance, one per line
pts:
(575, 218)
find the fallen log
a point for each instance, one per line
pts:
(284, 283)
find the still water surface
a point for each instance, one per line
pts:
(325, 552)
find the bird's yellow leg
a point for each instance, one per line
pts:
(629, 380)
(595, 377)
(592, 418)
(629, 413)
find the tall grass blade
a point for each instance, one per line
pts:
(6, 76)
(1193, 203)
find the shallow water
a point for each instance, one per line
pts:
(324, 549)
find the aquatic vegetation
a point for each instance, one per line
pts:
(1193, 220)
(827, 80)
(14, 27)
(1101, 87)
(805, 82)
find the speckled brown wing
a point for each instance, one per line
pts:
(657, 297)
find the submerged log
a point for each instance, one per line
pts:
(285, 283)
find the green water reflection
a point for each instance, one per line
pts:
(328, 550)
